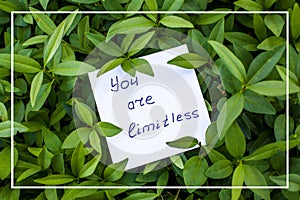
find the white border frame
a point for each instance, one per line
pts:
(286, 13)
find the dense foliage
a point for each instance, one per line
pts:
(249, 53)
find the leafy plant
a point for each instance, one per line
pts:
(246, 142)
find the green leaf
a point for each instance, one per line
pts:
(253, 177)
(5, 128)
(57, 115)
(77, 160)
(44, 158)
(280, 127)
(72, 68)
(189, 61)
(269, 150)
(82, 28)
(183, 143)
(275, 23)
(282, 73)
(29, 172)
(134, 5)
(256, 103)
(54, 42)
(233, 64)
(259, 27)
(175, 22)
(235, 141)
(22, 64)
(271, 43)
(89, 168)
(217, 33)
(108, 47)
(52, 141)
(110, 65)
(194, 171)
(107, 129)
(51, 194)
(152, 5)
(205, 19)
(231, 109)
(36, 86)
(44, 3)
(43, 21)
(273, 88)
(294, 181)
(237, 180)
(249, 5)
(84, 113)
(3, 112)
(140, 43)
(5, 163)
(295, 16)
(142, 195)
(150, 167)
(95, 141)
(134, 25)
(73, 139)
(115, 171)
(35, 40)
(138, 64)
(57, 179)
(269, 3)
(162, 181)
(243, 39)
(219, 170)
(176, 159)
(172, 5)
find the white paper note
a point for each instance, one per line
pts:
(151, 110)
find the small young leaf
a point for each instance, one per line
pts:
(142, 195)
(259, 27)
(249, 5)
(35, 87)
(233, 64)
(295, 16)
(237, 180)
(35, 40)
(82, 28)
(176, 159)
(175, 22)
(44, 158)
(275, 23)
(132, 25)
(231, 109)
(294, 181)
(53, 43)
(115, 171)
(3, 112)
(22, 64)
(52, 141)
(253, 177)
(219, 170)
(107, 129)
(273, 88)
(194, 170)
(257, 104)
(56, 179)
(72, 68)
(141, 65)
(95, 141)
(149, 167)
(43, 21)
(205, 19)
(77, 160)
(280, 127)
(183, 143)
(189, 61)
(243, 39)
(271, 43)
(44, 3)
(110, 65)
(89, 168)
(172, 5)
(57, 115)
(5, 128)
(162, 181)
(29, 172)
(235, 141)
(140, 43)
